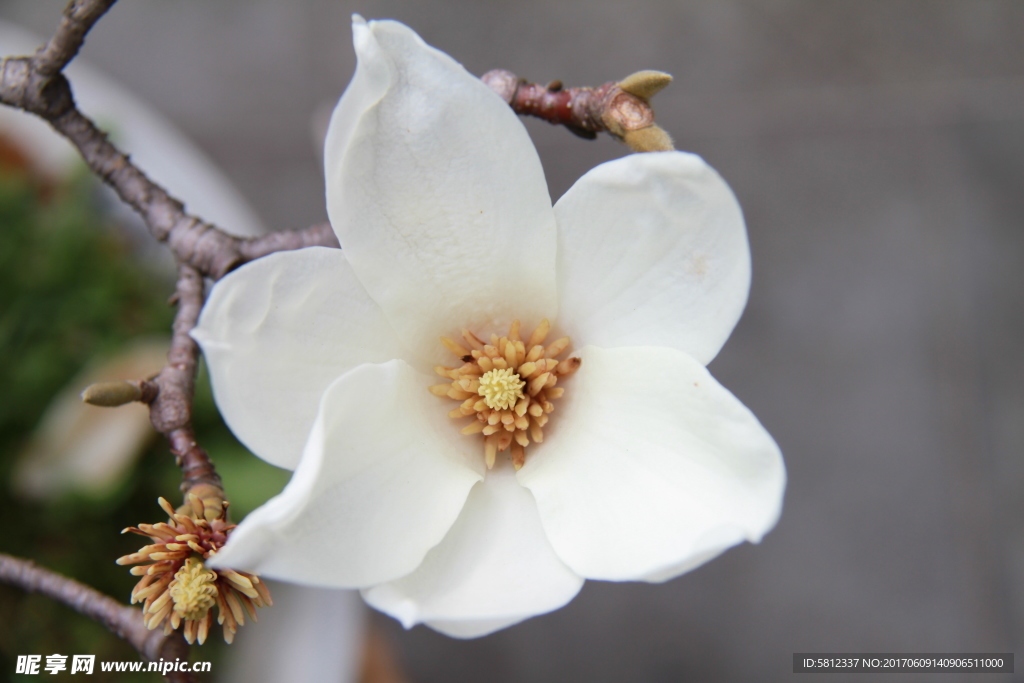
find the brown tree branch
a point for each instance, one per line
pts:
(622, 109)
(192, 240)
(78, 18)
(170, 393)
(171, 410)
(36, 85)
(119, 619)
(170, 397)
(578, 109)
(319, 235)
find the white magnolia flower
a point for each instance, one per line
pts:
(647, 468)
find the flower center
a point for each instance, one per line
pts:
(501, 388)
(193, 591)
(507, 386)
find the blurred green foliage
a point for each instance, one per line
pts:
(70, 291)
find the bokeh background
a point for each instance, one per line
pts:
(877, 148)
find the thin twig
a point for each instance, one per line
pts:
(622, 108)
(171, 410)
(200, 244)
(319, 235)
(78, 18)
(578, 109)
(120, 619)
(36, 85)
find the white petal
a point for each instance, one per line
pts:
(493, 569)
(383, 477)
(437, 195)
(652, 251)
(275, 333)
(650, 467)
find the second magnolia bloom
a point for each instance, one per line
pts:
(639, 466)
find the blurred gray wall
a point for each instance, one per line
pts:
(878, 150)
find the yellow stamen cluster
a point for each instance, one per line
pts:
(501, 388)
(193, 591)
(507, 386)
(178, 588)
